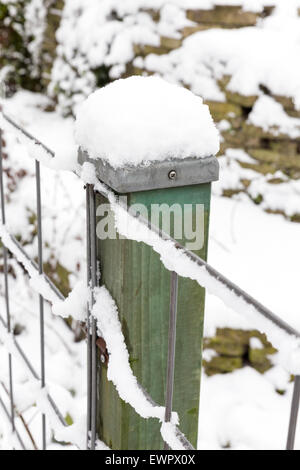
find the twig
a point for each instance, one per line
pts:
(22, 420)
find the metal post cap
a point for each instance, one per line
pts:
(155, 175)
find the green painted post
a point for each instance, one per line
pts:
(140, 285)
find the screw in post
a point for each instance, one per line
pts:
(172, 175)
(102, 358)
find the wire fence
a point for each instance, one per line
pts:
(12, 245)
(7, 324)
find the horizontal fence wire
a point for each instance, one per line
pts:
(182, 438)
(35, 375)
(185, 443)
(22, 420)
(27, 134)
(91, 323)
(264, 311)
(260, 308)
(52, 286)
(267, 313)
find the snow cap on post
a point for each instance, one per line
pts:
(145, 133)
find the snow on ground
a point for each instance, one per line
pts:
(242, 411)
(258, 251)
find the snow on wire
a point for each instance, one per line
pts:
(184, 263)
(109, 326)
(284, 337)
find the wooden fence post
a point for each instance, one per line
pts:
(140, 286)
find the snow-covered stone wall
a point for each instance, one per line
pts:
(241, 57)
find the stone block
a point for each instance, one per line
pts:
(241, 100)
(233, 348)
(279, 159)
(229, 16)
(144, 50)
(170, 43)
(223, 110)
(222, 365)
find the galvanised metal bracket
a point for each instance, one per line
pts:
(101, 345)
(155, 175)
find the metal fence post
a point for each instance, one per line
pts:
(6, 289)
(171, 348)
(141, 287)
(41, 300)
(91, 322)
(294, 415)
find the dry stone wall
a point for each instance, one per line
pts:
(270, 151)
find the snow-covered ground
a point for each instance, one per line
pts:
(258, 251)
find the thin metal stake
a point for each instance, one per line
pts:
(294, 415)
(171, 349)
(92, 326)
(41, 300)
(6, 287)
(88, 326)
